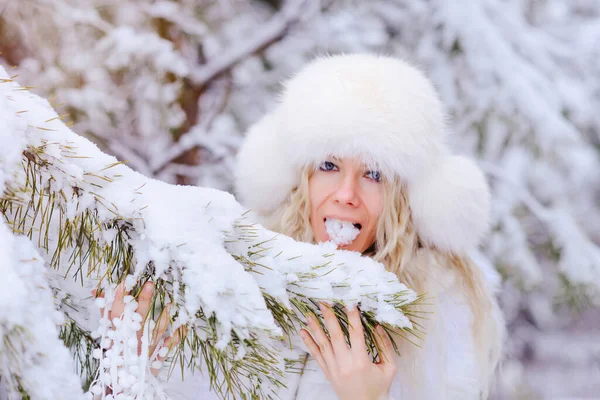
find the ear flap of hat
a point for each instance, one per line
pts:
(450, 205)
(263, 175)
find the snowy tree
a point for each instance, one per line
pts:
(170, 86)
(75, 218)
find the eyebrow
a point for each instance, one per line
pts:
(368, 167)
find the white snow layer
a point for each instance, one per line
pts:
(190, 234)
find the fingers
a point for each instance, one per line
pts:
(315, 351)
(355, 329)
(179, 335)
(322, 342)
(145, 299)
(386, 348)
(162, 355)
(143, 309)
(336, 336)
(160, 328)
(170, 343)
(118, 304)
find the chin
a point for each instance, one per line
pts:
(350, 247)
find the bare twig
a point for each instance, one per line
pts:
(210, 106)
(275, 30)
(125, 154)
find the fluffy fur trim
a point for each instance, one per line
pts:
(380, 109)
(451, 204)
(385, 112)
(264, 177)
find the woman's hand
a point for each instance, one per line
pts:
(144, 303)
(350, 370)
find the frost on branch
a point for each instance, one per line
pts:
(32, 358)
(91, 222)
(519, 77)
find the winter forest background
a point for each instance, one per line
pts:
(171, 86)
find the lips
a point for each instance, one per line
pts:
(355, 224)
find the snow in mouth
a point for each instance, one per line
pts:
(341, 232)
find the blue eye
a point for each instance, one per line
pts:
(327, 166)
(375, 175)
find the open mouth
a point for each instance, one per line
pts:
(341, 232)
(356, 225)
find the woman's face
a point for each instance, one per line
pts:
(344, 189)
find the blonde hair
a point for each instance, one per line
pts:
(396, 247)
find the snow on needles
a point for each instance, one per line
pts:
(31, 354)
(190, 237)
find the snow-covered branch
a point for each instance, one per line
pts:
(236, 286)
(519, 78)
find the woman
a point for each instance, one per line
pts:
(361, 138)
(358, 142)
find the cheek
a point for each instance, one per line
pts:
(374, 203)
(318, 190)
(313, 193)
(316, 198)
(374, 207)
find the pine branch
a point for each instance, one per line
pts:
(35, 207)
(81, 251)
(291, 318)
(84, 212)
(81, 344)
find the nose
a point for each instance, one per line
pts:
(347, 192)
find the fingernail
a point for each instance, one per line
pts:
(147, 287)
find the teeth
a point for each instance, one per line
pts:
(356, 225)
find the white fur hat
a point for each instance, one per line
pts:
(384, 111)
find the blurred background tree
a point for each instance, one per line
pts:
(171, 85)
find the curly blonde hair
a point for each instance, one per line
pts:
(396, 246)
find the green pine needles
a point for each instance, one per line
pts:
(86, 239)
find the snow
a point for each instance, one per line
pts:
(192, 237)
(341, 232)
(519, 79)
(31, 354)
